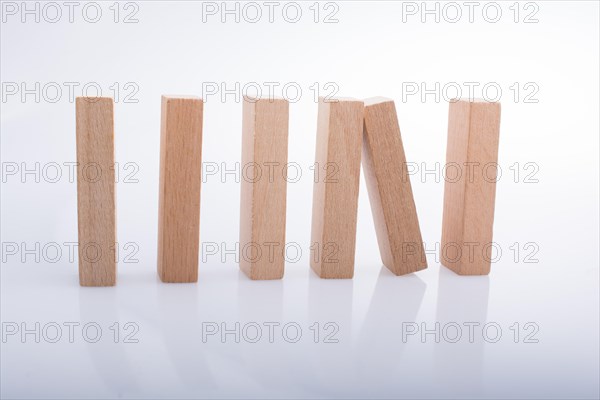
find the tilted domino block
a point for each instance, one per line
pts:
(390, 192)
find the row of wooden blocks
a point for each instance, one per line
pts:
(346, 128)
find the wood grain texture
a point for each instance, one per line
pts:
(96, 214)
(179, 188)
(390, 192)
(469, 194)
(335, 194)
(263, 188)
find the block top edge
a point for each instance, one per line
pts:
(377, 100)
(271, 99)
(339, 99)
(476, 100)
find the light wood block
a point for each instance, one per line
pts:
(96, 215)
(390, 192)
(469, 195)
(335, 194)
(179, 188)
(263, 190)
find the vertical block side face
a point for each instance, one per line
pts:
(459, 118)
(162, 184)
(246, 189)
(96, 213)
(262, 253)
(341, 176)
(390, 192)
(179, 201)
(480, 192)
(318, 207)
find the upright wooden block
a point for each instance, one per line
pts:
(263, 191)
(470, 187)
(335, 194)
(390, 192)
(96, 215)
(179, 188)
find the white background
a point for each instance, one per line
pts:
(374, 49)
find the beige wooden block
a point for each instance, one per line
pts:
(470, 187)
(179, 188)
(96, 215)
(390, 192)
(263, 190)
(335, 194)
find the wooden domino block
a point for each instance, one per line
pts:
(179, 188)
(96, 216)
(390, 193)
(263, 190)
(335, 194)
(470, 187)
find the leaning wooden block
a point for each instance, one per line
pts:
(179, 188)
(96, 216)
(263, 191)
(470, 187)
(390, 192)
(335, 194)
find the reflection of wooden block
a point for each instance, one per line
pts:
(335, 195)
(263, 192)
(470, 188)
(179, 188)
(96, 191)
(390, 193)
